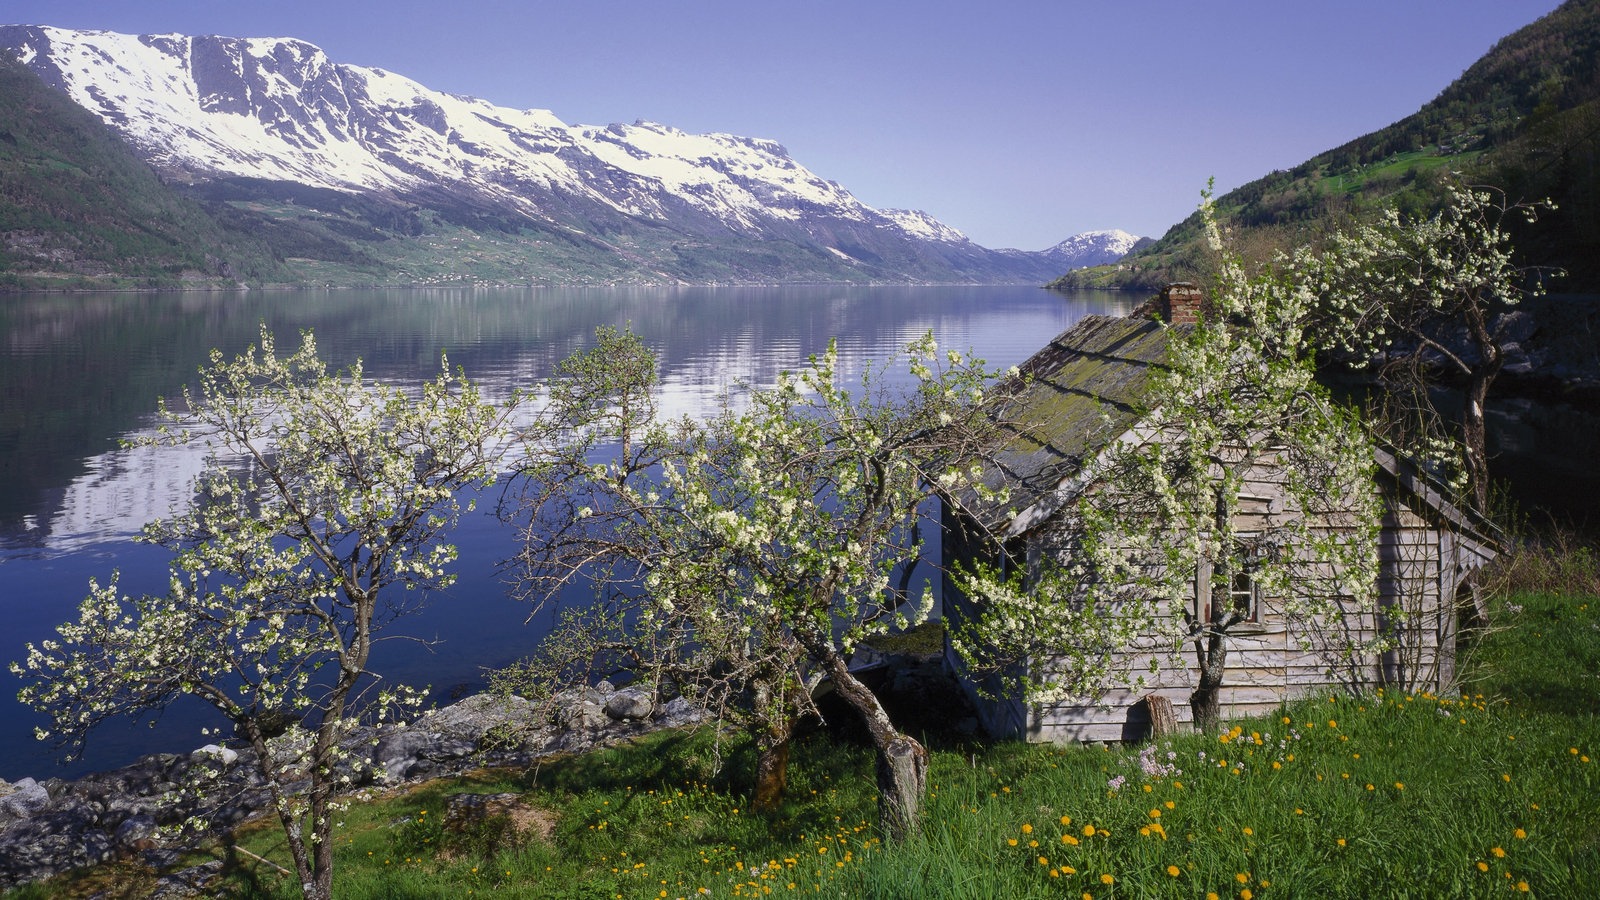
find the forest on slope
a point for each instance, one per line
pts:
(1525, 119)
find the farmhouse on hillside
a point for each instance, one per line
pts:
(1083, 392)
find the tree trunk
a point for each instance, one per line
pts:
(902, 778)
(1474, 436)
(1205, 704)
(902, 761)
(772, 770)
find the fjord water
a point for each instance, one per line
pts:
(79, 373)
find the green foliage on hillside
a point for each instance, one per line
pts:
(1525, 117)
(78, 209)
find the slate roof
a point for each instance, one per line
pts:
(1086, 388)
(1080, 392)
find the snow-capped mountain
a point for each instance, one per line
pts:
(208, 110)
(1095, 248)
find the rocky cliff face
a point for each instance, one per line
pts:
(215, 109)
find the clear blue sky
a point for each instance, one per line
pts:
(1020, 123)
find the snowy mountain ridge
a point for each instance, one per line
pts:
(207, 109)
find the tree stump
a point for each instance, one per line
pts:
(1163, 721)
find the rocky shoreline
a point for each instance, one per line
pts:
(51, 826)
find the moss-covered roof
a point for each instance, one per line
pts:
(1081, 391)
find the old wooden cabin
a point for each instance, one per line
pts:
(1084, 392)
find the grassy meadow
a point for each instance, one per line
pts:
(1487, 793)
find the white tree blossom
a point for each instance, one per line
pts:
(771, 538)
(318, 518)
(1419, 300)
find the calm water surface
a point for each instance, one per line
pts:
(80, 373)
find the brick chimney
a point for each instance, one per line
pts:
(1180, 303)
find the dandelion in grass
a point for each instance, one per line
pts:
(1106, 878)
(1519, 834)
(1174, 871)
(1499, 852)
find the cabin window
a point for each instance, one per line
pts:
(1245, 597)
(1244, 589)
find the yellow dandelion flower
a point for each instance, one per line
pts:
(1105, 878)
(1519, 834)
(1483, 866)
(1249, 831)
(1245, 894)
(1173, 871)
(1522, 886)
(1066, 820)
(1088, 831)
(1010, 842)
(1027, 829)
(1499, 853)
(1341, 842)
(1069, 840)
(1155, 813)
(1212, 895)
(1242, 878)
(1044, 861)
(1505, 776)
(1170, 805)
(1399, 785)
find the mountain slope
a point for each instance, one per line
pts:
(1525, 117)
(251, 123)
(77, 207)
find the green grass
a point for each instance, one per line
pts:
(1381, 795)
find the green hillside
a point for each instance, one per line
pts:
(1525, 118)
(79, 210)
